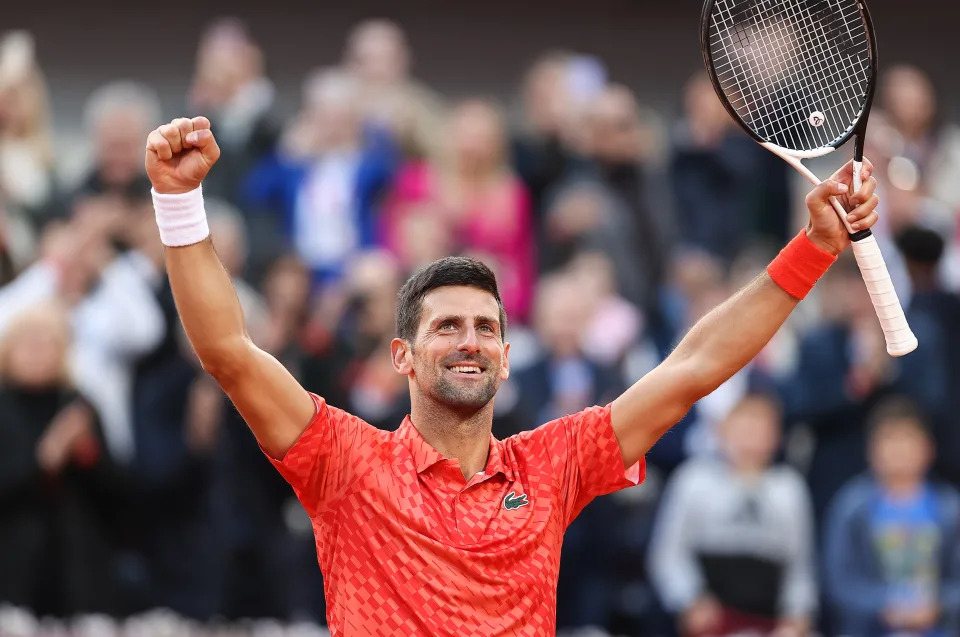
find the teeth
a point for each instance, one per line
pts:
(466, 369)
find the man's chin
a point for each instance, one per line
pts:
(462, 398)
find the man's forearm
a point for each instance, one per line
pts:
(730, 335)
(206, 301)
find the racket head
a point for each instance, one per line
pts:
(798, 74)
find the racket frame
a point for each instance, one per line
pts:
(859, 128)
(900, 339)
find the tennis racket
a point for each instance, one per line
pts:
(799, 77)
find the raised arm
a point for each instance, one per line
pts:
(729, 336)
(271, 401)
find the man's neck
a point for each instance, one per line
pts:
(463, 436)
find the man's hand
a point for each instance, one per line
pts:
(180, 154)
(825, 228)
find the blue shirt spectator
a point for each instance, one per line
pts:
(893, 538)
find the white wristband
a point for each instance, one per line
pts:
(180, 217)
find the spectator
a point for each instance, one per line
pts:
(540, 152)
(562, 379)
(328, 176)
(54, 476)
(26, 144)
(584, 215)
(892, 553)
(378, 55)
(917, 153)
(351, 365)
(118, 117)
(170, 554)
(732, 551)
(621, 153)
(842, 371)
(473, 191)
(932, 375)
(114, 315)
(730, 193)
(231, 88)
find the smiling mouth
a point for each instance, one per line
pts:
(466, 369)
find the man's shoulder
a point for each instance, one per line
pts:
(558, 430)
(339, 418)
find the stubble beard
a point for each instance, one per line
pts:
(457, 396)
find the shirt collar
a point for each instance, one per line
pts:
(425, 456)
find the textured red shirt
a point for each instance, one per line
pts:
(408, 547)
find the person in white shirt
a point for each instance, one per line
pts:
(733, 544)
(114, 315)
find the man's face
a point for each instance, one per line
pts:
(458, 357)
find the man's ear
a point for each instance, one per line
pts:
(402, 356)
(505, 368)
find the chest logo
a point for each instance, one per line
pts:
(514, 501)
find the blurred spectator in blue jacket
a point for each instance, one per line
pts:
(934, 314)
(892, 551)
(328, 176)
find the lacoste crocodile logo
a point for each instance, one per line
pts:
(514, 501)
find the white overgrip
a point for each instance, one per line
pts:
(900, 339)
(857, 175)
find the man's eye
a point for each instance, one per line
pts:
(447, 326)
(486, 328)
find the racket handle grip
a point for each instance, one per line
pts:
(857, 175)
(899, 337)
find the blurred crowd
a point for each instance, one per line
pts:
(814, 491)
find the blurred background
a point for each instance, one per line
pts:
(576, 148)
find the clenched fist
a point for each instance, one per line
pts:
(180, 154)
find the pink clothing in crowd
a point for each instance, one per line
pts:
(496, 228)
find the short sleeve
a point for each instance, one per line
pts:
(322, 462)
(585, 453)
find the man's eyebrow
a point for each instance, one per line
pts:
(456, 318)
(480, 318)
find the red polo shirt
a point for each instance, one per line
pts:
(408, 547)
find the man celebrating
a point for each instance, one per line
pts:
(438, 528)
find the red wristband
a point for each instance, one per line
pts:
(799, 265)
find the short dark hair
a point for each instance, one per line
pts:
(920, 245)
(896, 411)
(445, 272)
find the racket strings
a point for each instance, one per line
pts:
(805, 97)
(810, 79)
(782, 63)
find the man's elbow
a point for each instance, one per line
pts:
(226, 361)
(703, 377)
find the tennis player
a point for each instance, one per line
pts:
(438, 528)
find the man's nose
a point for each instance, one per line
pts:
(470, 343)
